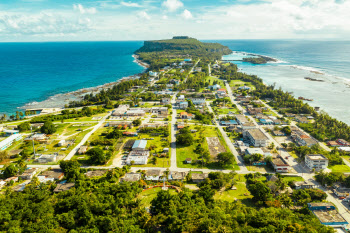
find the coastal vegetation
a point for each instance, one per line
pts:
(258, 60)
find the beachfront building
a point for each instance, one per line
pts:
(7, 142)
(316, 161)
(256, 137)
(153, 74)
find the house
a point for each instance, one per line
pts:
(177, 176)
(130, 134)
(28, 174)
(188, 160)
(197, 69)
(241, 119)
(216, 66)
(63, 187)
(7, 142)
(256, 137)
(47, 158)
(221, 91)
(165, 101)
(198, 101)
(2, 184)
(301, 119)
(9, 132)
(139, 145)
(181, 97)
(43, 179)
(56, 174)
(332, 143)
(228, 123)
(198, 177)
(244, 88)
(214, 87)
(327, 214)
(254, 111)
(13, 178)
(62, 143)
(185, 115)
(82, 150)
(316, 161)
(180, 125)
(272, 178)
(96, 173)
(279, 164)
(120, 124)
(304, 185)
(153, 174)
(153, 74)
(248, 125)
(183, 105)
(266, 121)
(137, 158)
(131, 177)
(39, 137)
(342, 142)
(278, 133)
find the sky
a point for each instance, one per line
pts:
(88, 20)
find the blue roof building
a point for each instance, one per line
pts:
(139, 145)
(327, 214)
(228, 123)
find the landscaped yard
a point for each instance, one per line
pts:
(340, 168)
(241, 193)
(148, 195)
(292, 178)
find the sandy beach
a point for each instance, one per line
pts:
(60, 100)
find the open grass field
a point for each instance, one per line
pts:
(241, 193)
(292, 178)
(340, 168)
(148, 195)
(237, 83)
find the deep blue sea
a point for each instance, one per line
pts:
(35, 71)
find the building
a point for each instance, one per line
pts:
(63, 187)
(198, 177)
(221, 91)
(185, 115)
(278, 133)
(2, 184)
(161, 111)
(301, 139)
(228, 123)
(332, 143)
(254, 111)
(327, 214)
(153, 74)
(120, 124)
(177, 176)
(135, 159)
(279, 164)
(251, 151)
(9, 132)
(248, 125)
(188, 160)
(56, 174)
(165, 101)
(183, 105)
(139, 145)
(316, 161)
(7, 142)
(135, 113)
(62, 143)
(131, 177)
(244, 88)
(342, 142)
(216, 66)
(39, 137)
(130, 134)
(341, 191)
(256, 137)
(304, 185)
(241, 119)
(153, 175)
(301, 119)
(214, 87)
(47, 158)
(120, 110)
(28, 174)
(198, 101)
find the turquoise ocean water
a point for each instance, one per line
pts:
(33, 72)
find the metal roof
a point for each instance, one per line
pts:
(140, 144)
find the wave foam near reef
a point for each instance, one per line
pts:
(60, 100)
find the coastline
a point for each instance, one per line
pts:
(60, 100)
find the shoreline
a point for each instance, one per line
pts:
(60, 100)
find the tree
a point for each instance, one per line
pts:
(4, 155)
(185, 139)
(25, 126)
(115, 134)
(71, 169)
(137, 122)
(260, 191)
(10, 171)
(225, 158)
(97, 156)
(48, 128)
(207, 193)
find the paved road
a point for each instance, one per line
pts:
(173, 164)
(86, 137)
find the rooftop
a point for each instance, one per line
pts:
(131, 177)
(63, 187)
(153, 172)
(96, 173)
(329, 216)
(140, 144)
(257, 134)
(316, 157)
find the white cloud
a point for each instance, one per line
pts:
(172, 5)
(84, 10)
(187, 14)
(130, 4)
(143, 15)
(164, 17)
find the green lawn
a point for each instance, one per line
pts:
(148, 195)
(225, 111)
(340, 168)
(238, 83)
(241, 193)
(292, 178)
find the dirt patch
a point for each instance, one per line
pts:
(215, 147)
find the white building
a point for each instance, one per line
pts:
(7, 142)
(316, 161)
(47, 158)
(153, 74)
(256, 137)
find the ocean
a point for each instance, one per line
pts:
(34, 72)
(328, 61)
